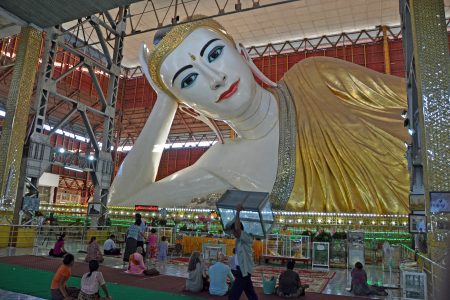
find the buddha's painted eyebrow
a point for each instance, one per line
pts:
(206, 46)
(179, 72)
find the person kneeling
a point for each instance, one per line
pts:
(218, 274)
(136, 264)
(58, 288)
(91, 282)
(109, 247)
(289, 283)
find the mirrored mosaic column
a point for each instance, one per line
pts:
(17, 112)
(432, 73)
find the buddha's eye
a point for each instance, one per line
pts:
(188, 80)
(215, 53)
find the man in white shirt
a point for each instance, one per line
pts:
(109, 247)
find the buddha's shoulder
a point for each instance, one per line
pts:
(322, 62)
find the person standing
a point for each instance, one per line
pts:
(232, 262)
(152, 243)
(243, 261)
(143, 228)
(163, 250)
(134, 231)
(218, 275)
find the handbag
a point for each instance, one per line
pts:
(268, 284)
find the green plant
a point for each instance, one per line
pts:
(340, 235)
(322, 236)
(307, 232)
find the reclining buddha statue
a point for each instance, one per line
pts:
(328, 137)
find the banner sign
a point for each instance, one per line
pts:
(146, 207)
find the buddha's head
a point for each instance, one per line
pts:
(198, 64)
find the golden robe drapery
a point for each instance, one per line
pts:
(350, 154)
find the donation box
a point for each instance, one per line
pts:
(256, 214)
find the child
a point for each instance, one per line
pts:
(162, 250)
(152, 243)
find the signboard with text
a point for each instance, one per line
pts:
(146, 208)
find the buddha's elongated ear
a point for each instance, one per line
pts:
(256, 72)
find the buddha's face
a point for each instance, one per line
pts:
(207, 73)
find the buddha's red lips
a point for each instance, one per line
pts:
(228, 93)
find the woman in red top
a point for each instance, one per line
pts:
(58, 288)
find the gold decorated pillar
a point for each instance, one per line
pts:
(432, 73)
(17, 111)
(387, 57)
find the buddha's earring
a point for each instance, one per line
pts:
(256, 72)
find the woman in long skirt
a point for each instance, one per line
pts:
(134, 231)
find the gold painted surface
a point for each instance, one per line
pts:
(350, 147)
(432, 64)
(17, 110)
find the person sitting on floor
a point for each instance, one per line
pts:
(109, 247)
(58, 288)
(218, 275)
(359, 285)
(196, 273)
(136, 264)
(93, 251)
(289, 285)
(58, 250)
(91, 282)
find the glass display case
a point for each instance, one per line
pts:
(256, 215)
(296, 246)
(414, 285)
(321, 255)
(211, 251)
(338, 253)
(355, 248)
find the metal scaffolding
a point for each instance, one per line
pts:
(101, 138)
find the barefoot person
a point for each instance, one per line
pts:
(196, 273)
(91, 282)
(243, 261)
(109, 247)
(58, 288)
(93, 251)
(289, 285)
(359, 285)
(58, 250)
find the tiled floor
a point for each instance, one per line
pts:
(6, 295)
(338, 285)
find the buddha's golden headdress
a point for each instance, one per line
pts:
(173, 39)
